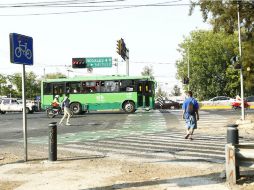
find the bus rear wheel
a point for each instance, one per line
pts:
(76, 108)
(129, 107)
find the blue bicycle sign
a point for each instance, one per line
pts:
(21, 49)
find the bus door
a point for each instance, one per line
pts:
(144, 93)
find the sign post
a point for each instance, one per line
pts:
(21, 52)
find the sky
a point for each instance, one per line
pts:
(151, 33)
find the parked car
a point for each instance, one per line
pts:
(13, 105)
(30, 103)
(219, 100)
(249, 99)
(167, 104)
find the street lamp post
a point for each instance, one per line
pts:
(240, 54)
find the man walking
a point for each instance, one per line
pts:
(67, 111)
(190, 114)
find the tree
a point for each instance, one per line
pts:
(148, 71)
(176, 91)
(211, 73)
(160, 93)
(55, 76)
(3, 83)
(222, 14)
(223, 17)
(32, 84)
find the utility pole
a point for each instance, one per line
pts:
(188, 60)
(240, 54)
(127, 63)
(116, 64)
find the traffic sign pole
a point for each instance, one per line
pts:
(24, 112)
(21, 52)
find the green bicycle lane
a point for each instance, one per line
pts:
(135, 124)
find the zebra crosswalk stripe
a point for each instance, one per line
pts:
(162, 145)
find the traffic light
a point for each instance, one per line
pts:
(79, 63)
(121, 48)
(235, 60)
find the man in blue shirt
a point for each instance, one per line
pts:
(190, 114)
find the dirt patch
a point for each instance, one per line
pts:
(8, 157)
(10, 185)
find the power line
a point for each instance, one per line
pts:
(109, 8)
(144, 62)
(55, 3)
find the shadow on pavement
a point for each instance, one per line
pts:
(58, 160)
(179, 182)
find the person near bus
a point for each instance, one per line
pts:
(67, 112)
(56, 104)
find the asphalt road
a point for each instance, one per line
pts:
(11, 126)
(150, 134)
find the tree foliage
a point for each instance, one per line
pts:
(209, 55)
(55, 76)
(148, 71)
(11, 85)
(222, 15)
(176, 91)
(160, 93)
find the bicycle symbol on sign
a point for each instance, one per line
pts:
(22, 49)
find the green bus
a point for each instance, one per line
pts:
(93, 93)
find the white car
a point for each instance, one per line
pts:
(219, 100)
(13, 105)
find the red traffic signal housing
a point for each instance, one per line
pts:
(79, 63)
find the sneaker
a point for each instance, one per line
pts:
(68, 124)
(187, 136)
(60, 124)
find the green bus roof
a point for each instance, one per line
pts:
(98, 77)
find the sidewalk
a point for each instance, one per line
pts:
(112, 172)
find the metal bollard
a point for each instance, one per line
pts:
(233, 138)
(52, 141)
(232, 134)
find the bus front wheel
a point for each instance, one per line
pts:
(76, 108)
(129, 107)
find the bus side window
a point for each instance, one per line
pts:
(97, 86)
(75, 87)
(103, 88)
(89, 87)
(83, 87)
(58, 88)
(47, 88)
(126, 86)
